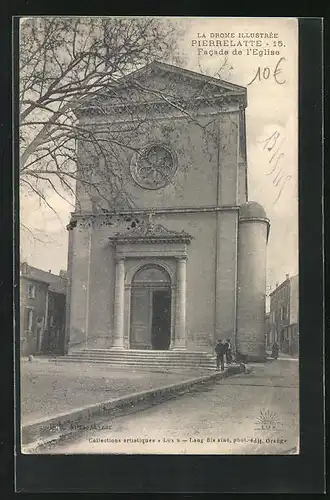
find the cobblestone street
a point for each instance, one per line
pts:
(257, 413)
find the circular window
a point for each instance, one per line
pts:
(153, 167)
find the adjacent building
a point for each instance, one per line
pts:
(42, 311)
(185, 263)
(284, 316)
(268, 330)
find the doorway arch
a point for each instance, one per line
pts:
(151, 308)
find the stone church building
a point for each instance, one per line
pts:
(184, 263)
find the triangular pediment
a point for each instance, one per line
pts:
(158, 82)
(172, 79)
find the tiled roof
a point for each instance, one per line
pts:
(56, 283)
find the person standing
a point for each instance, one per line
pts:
(228, 352)
(220, 352)
(275, 350)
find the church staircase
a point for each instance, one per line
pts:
(144, 359)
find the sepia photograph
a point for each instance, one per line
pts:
(158, 268)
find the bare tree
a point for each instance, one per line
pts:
(64, 63)
(70, 65)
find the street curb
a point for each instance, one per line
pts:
(50, 430)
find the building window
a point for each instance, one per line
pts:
(30, 320)
(31, 291)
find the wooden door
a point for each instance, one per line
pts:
(140, 335)
(161, 319)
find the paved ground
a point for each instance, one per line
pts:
(255, 413)
(49, 388)
(282, 355)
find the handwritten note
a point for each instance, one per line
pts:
(266, 73)
(273, 145)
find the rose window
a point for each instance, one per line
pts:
(153, 167)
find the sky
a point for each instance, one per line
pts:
(272, 135)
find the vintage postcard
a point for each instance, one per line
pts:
(159, 286)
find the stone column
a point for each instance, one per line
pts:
(118, 340)
(180, 323)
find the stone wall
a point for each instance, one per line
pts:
(207, 177)
(206, 317)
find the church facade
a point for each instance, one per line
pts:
(184, 263)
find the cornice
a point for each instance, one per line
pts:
(98, 220)
(148, 232)
(162, 106)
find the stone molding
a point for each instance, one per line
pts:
(257, 219)
(163, 106)
(98, 220)
(148, 232)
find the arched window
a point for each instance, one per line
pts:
(151, 274)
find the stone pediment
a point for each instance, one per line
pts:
(148, 232)
(160, 83)
(172, 80)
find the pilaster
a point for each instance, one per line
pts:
(118, 341)
(180, 325)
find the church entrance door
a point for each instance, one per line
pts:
(150, 310)
(161, 320)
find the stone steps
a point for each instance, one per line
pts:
(143, 353)
(143, 359)
(140, 365)
(146, 352)
(139, 361)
